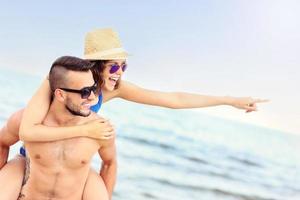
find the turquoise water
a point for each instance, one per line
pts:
(168, 154)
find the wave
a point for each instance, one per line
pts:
(214, 191)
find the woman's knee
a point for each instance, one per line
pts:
(11, 177)
(95, 188)
(14, 168)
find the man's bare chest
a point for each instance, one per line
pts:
(70, 153)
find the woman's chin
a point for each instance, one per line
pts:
(109, 87)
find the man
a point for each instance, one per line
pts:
(60, 169)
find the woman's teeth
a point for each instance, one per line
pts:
(114, 79)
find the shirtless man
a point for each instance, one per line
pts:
(59, 170)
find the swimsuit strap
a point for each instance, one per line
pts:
(95, 108)
(23, 151)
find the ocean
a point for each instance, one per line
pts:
(166, 154)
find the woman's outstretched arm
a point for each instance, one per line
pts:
(31, 128)
(178, 100)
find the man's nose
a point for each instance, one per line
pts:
(92, 96)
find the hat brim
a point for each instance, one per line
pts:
(98, 56)
(113, 54)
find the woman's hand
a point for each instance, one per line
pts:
(246, 103)
(100, 129)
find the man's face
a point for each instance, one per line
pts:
(74, 102)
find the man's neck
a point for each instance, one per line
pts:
(59, 114)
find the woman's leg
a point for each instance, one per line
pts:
(94, 188)
(11, 177)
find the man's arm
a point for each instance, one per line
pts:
(108, 170)
(9, 135)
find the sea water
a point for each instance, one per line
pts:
(166, 154)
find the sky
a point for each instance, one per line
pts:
(213, 47)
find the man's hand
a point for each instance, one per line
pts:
(100, 129)
(246, 103)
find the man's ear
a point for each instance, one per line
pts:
(60, 95)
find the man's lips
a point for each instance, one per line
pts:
(86, 105)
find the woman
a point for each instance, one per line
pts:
(103, 47)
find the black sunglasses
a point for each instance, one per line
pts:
(84, 92)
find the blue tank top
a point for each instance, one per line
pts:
(95, 108)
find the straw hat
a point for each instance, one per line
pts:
(103, 44)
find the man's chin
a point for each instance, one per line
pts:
(86, 114)
(79, 113)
